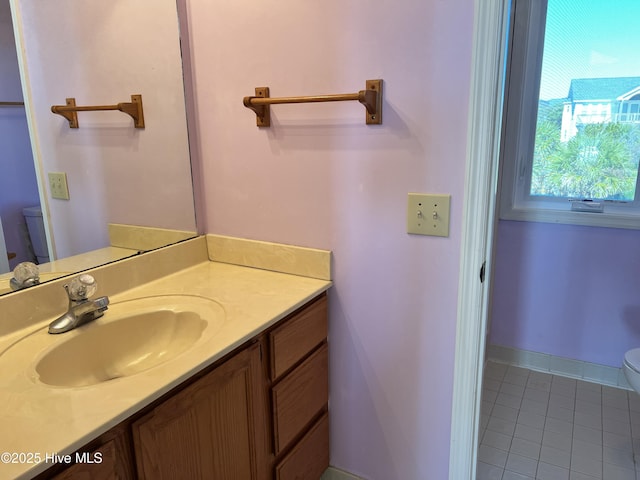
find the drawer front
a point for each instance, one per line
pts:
(310, 457)
(299, 397)
(290, 342)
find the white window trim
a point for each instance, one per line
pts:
(521, 107)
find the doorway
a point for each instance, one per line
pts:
(472, 325)
(18, 184)
(490, 22)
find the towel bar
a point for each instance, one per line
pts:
(133, 109)
(371, 98)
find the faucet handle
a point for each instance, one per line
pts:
(25, 275)
(81, 288)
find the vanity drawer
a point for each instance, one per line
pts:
(299, 397)
(310, 457)
(298, 336)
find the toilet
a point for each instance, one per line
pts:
(37, 235)
(631, 368)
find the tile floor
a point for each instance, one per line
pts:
(546, 427)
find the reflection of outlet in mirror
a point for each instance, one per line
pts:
(58, 185)
(428, 214)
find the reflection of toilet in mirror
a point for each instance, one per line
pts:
(37, 235)
(631, 368)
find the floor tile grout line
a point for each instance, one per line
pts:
(511, 377)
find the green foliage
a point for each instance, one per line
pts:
(600, 162)
(551, 111)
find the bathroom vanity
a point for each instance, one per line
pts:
(260, 412)
(248, 399)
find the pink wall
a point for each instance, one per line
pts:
(320, 177)
(106, 52)
(566, 290)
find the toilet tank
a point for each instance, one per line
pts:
(37, 235)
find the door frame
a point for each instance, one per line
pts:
(27, 95)
(483, 142)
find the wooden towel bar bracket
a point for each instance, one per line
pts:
(371, 98)
(133, 109)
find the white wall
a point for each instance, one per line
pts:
(101, 53)
(320, 177)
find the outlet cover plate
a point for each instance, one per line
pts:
(58, 185)
(428, 214)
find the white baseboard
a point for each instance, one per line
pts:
(541, 362)
(333, 473)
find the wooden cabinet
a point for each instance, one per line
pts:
(106, 458)
(297, 335)
(299, 390)
(260, 413)
(309, 458)
(214, 428)
(299, 398)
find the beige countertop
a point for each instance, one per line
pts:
(39, 420)
(76, 263)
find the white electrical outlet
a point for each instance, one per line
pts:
(428, 214)
(58, 185)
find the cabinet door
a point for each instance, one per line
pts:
(213, 429)
(110, 461)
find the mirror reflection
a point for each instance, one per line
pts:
(129, 189)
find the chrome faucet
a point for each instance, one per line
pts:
(81, 309)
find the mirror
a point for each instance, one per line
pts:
(129, 189)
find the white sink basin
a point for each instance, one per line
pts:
(132, 337)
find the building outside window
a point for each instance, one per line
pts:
(571, 130)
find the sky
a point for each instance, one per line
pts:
(589, 39)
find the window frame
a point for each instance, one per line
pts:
(521, 96)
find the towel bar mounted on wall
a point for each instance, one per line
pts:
(371, 98)
(11, 104)
(133, 109)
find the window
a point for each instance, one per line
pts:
(571, 126)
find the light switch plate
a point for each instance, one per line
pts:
(428, 214)
(58, 185)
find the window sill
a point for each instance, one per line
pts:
(605, 219)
